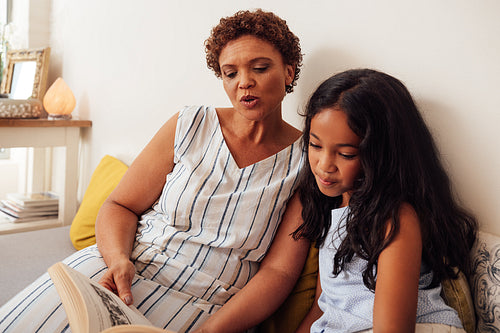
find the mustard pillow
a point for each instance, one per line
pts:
(106, 176)
(291, 313)
(456, 294)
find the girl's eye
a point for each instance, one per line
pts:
(230, 74)
(313, 145)
(348, 156)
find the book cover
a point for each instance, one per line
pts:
(18, 208)
(33, 199)
(15, 211)
(10, 218)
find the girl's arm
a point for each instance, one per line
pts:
(398, 273)
(270, 286)
(314, 312)
(116, 223)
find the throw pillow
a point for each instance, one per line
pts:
(105, 178)
(485, 281)
(291, 313)
(456, 294)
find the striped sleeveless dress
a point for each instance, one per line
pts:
(200, 243)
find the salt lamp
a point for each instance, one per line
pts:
(59, 100)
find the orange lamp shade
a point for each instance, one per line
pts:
(59, 100)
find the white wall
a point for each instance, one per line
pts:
(132, 64)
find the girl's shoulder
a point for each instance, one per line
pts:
(409, 223)
(407, 211)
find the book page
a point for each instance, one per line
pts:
(33, 199)
(135, 329)
(103, 308)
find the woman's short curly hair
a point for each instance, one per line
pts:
(258, 23)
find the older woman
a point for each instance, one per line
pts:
(195, 215)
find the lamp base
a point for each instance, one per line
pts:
(59, 116)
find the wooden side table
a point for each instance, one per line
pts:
(47, 133)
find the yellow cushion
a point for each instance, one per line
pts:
(106, 176)
(456, 294)
(291, 313)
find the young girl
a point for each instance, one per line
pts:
(378, 203)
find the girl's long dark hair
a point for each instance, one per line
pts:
(400, 164)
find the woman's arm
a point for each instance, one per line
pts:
(276, 277)
(314, 312)
(139, 188)
(398, 273)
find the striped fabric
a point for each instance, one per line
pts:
(202, 241)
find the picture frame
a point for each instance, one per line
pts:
(25, 73)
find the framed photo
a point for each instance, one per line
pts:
(25, 74)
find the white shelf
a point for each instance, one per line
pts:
(47, 133)
(8, 227)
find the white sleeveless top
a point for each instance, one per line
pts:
(214, 221)
(346, 302)
(200, 244)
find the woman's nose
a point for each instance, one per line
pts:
(246, 80)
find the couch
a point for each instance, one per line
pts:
(27, 255)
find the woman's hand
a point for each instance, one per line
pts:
(118, 279)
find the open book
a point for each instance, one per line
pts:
(91, 308)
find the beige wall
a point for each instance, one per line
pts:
(132, 64)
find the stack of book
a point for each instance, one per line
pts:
(24, 207)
